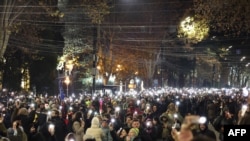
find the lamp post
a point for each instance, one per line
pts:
(67, 81)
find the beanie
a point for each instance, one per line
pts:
(135, 130)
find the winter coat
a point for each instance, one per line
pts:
(95, 130)
(18, 135)
(78, 130)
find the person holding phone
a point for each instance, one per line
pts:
(78, 125)
(185, 133)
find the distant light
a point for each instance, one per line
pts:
(243, 58)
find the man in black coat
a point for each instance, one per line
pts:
(55, 129)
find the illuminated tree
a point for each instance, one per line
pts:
(193, 31)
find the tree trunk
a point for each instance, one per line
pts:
(224, 75)
(4, 38)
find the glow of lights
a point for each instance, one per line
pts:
(138, 102)
(32, 105)
(51, 126)
(90, 112)
(148, 123)
(175, 115)
(195, 30)
(243, 58)
(177, 103)
(117, 109)
(202, 120)
(67, 81)
(70, 108)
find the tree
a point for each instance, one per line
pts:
(136, 37)
(15, 18)
(228, 17)
(228, 22)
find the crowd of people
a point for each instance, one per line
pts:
(145, 116)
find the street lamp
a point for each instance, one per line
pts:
(67, 81)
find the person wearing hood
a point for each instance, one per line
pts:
(95, 129)
(205, 131)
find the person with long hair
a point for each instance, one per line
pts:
(78, 125)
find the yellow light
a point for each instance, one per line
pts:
(98, 67)
(67, 81)
(69, 64)
(193, 29)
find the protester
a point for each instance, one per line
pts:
(95, 130)
(205, 131)
(78, 125)
(133, 135)
(185, 133)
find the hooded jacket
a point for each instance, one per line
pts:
(95, 130)
(206, 132)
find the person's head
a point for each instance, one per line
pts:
(23, 111)
(156, 120)
(4, 139)
(77, 115)
(124, 132)
(104, 122)
(203, 127)
(70, 137)
(154, 108)
(171, 107)
(136, 123)
(16, 123)
(133, 132)
(95, 122)
(55, 113)
(129, 120)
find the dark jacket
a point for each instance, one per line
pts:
(60, 130)
(206, 132)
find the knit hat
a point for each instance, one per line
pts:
(135, 130)
(95, 121)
